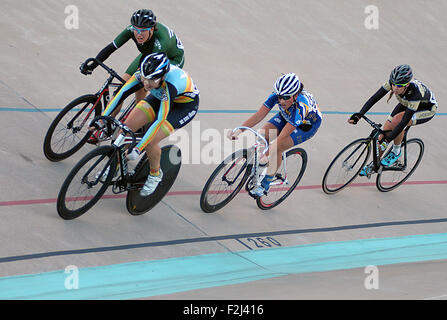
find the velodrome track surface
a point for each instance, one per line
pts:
(313, 246)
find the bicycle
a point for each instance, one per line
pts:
(348, 163)
(243, 168)
(68, 131)
(97, 170)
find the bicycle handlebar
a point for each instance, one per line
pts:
(109, 70)
(258, 135)
(376, 126)
(119, 124)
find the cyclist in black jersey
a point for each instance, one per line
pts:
(417, 105)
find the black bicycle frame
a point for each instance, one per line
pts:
(121, 155)
(103, 92)
(398, 167)
(373, 137)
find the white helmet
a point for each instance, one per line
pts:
(287, 85)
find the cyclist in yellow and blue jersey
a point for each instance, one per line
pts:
(298, 120)
(172, 102)
(149, 37)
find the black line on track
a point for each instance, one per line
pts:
(215, 238)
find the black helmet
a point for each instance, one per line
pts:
(401, 75)
(143, 18)
(155, 66)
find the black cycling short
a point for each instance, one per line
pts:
(180, 114)
(419, 117)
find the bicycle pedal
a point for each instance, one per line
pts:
(92, 140)
(397, 164)
(119, 187)
(256, 197)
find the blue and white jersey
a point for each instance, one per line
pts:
(304, 110)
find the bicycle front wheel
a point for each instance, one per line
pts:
(225, 182)
(389, 178)
(87, 182)
(286, 179)
(69, 130)
(346, 166)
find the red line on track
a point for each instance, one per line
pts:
(187, 193)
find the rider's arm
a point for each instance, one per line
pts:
(106, 52)
(268, 104)
(169, 43)
(373, 100)
(102, 56)
(256, 117)
(250, 122)
(131, 86)
(160, 122)
(121, 39)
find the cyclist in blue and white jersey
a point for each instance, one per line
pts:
(298, 120)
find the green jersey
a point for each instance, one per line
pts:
(162, 40)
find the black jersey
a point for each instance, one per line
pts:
(417, 96)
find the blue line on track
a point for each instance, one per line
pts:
(158, 277)
(211, 111)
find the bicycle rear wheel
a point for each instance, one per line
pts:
(225, 182)
(346, 166)
(170, 164)
(69, 130)
(286, 180)
(84, 185)
(389, 178)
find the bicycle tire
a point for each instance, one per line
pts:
(62, 208)
(49, 150)
(205, 203)
(331, 188)
(387, 186)
(170, 164)
(262, 204)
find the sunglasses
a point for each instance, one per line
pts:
(139, 30)
(285, 97)
(400, 85)
(151, 81)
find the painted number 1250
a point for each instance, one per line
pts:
(260, 242)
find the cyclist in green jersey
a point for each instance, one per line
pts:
(149, 36)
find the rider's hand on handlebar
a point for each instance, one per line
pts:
(233, 135)
(97, 125)
(355, 118)
(87, 68)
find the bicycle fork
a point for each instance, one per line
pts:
(259, 175)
